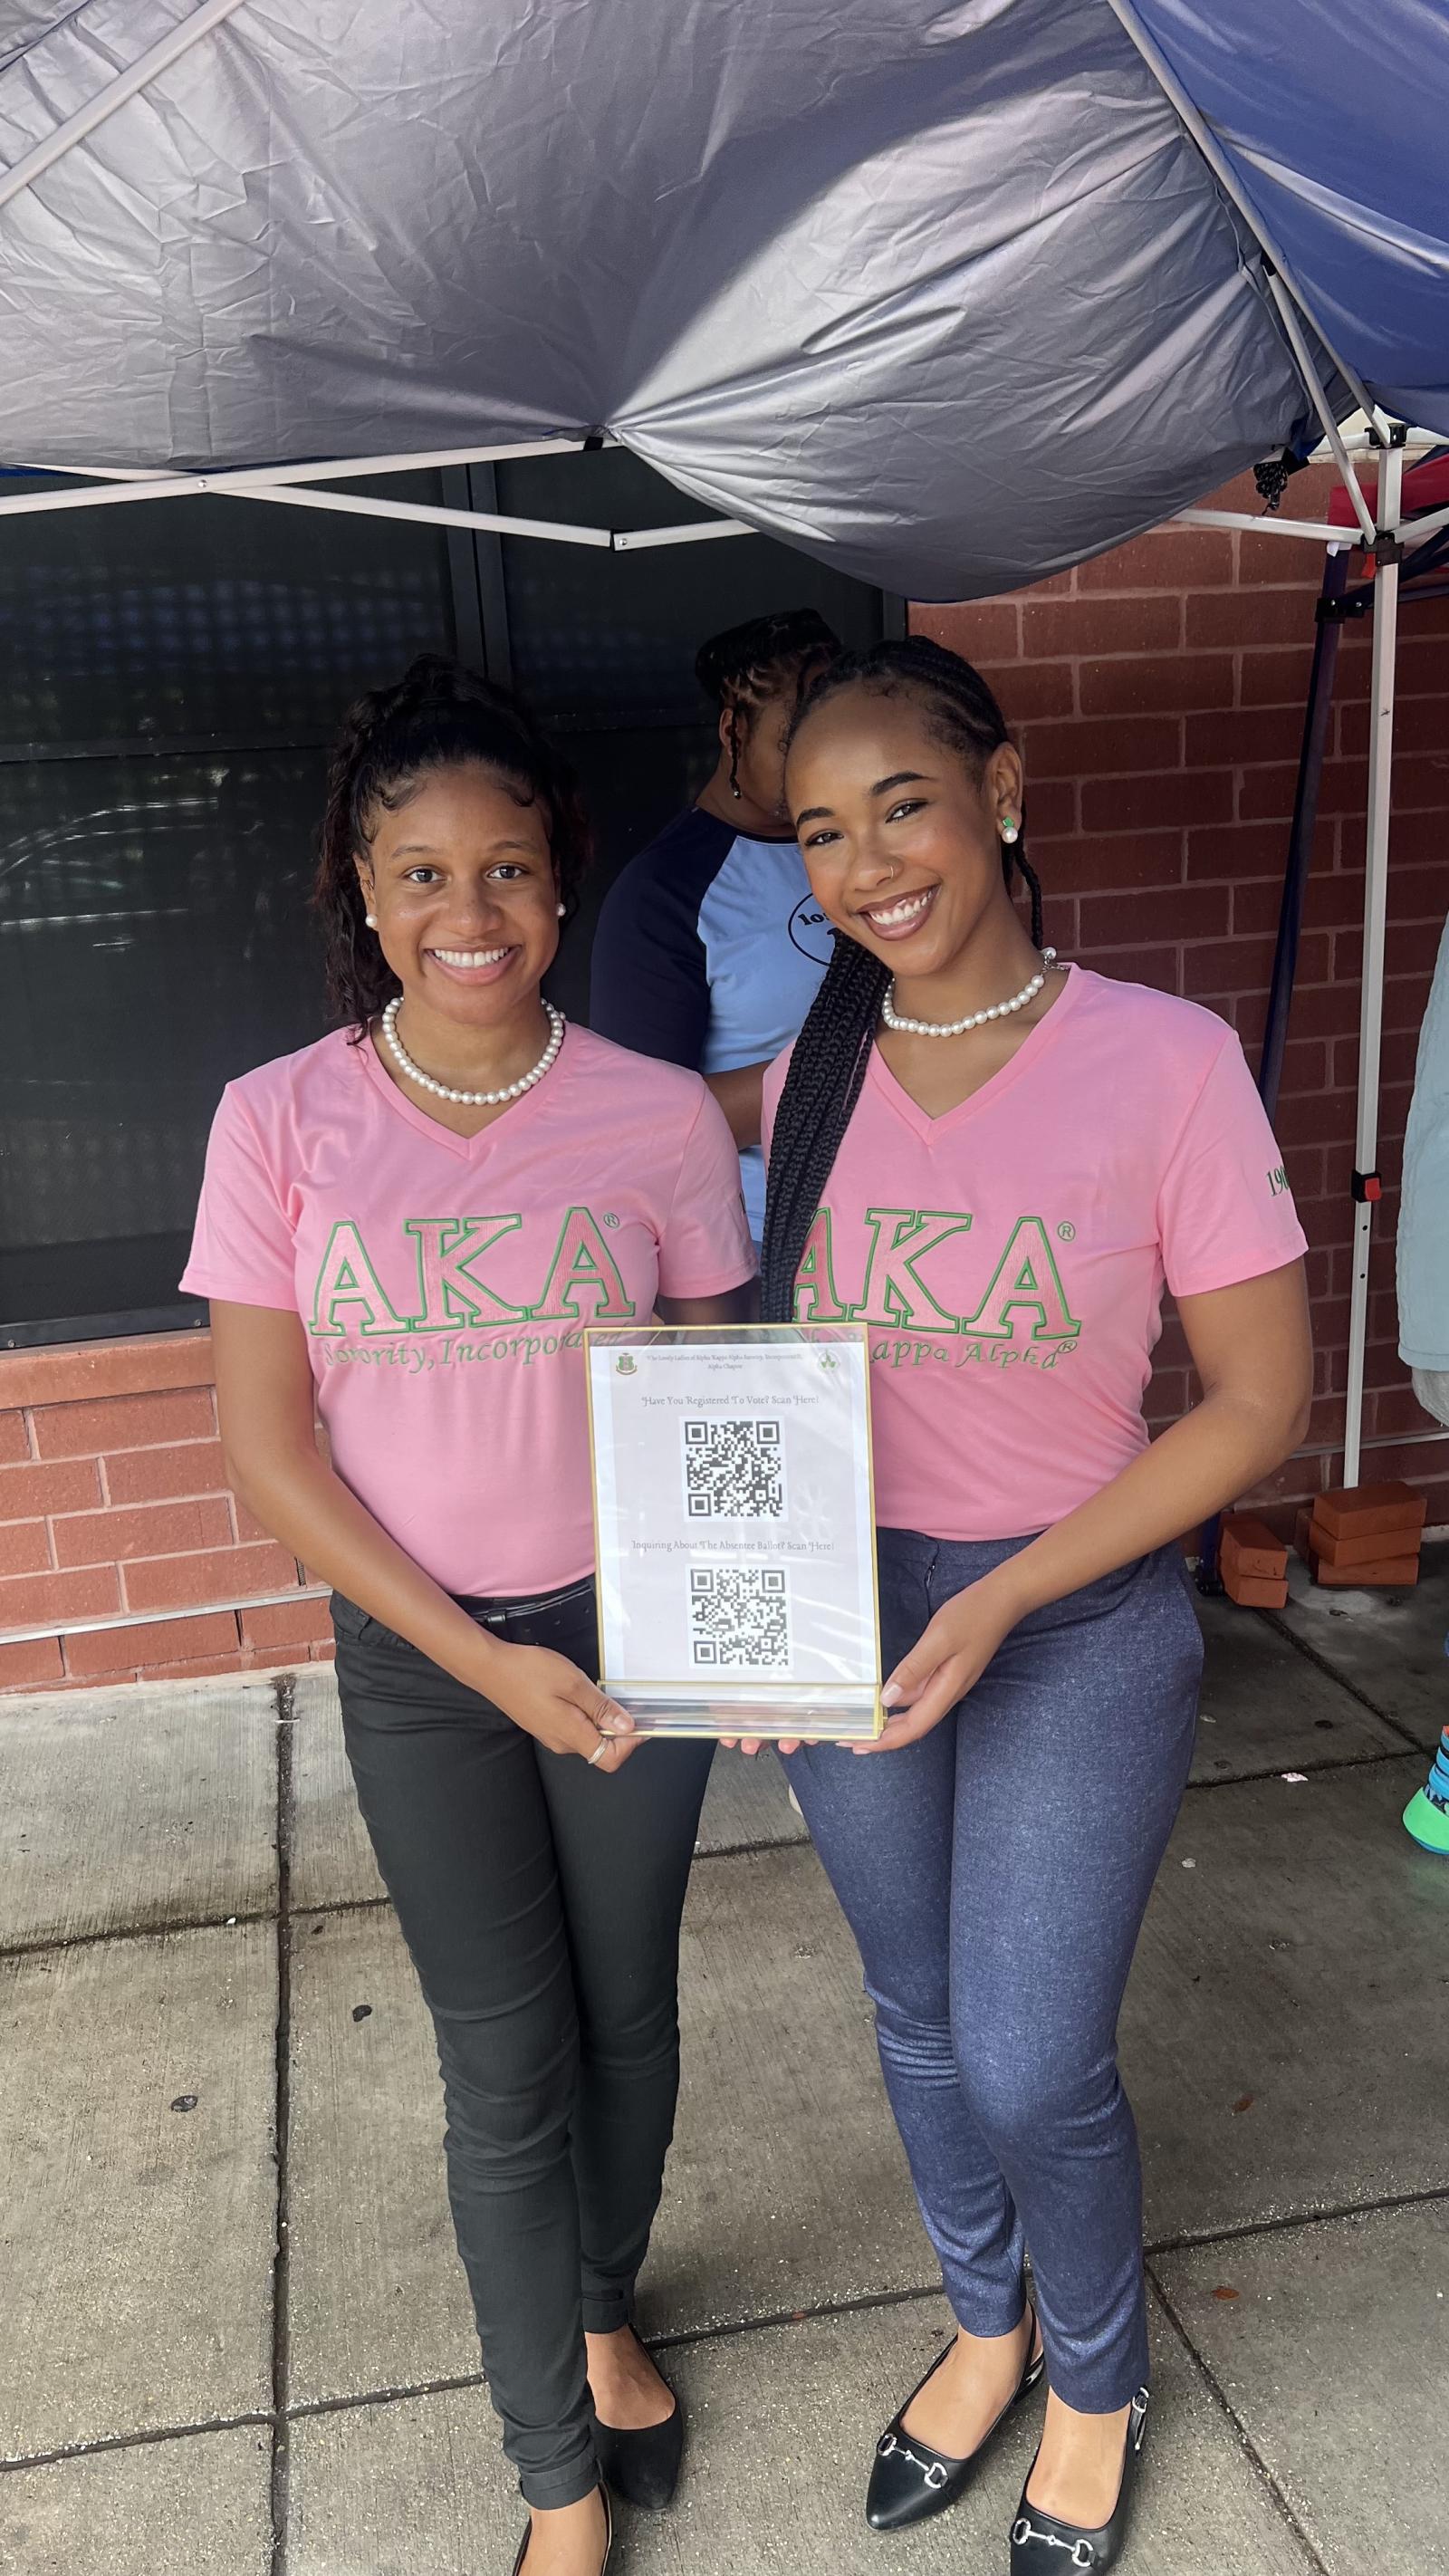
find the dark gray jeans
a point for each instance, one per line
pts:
(541, 1903)
(995, 1877)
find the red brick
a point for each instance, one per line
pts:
(1327, 1010)
(1155, 684)
(1314, 1118)
(1278, 679)
(25, 1548)
(1167, 912)
(165, 1475)
(156, 1529)
(1051, 809)
(980, 630)
(1077, 626)
(1250, 615)
(1226, 966)
(124, 1422)
(1406, 995)
(1027, 690)
(1243, 737)
(283, 1626)
(1105, 861)
(71, 1486)
(1273, 557)
(1237, 850)
(1145, 804)
(1167, 559)
(1087, 749)
(30, 1667)
(82, 1372)
(27, 1599)
(119, 1650)
(1156, 967)
(325, 1653)
(1269, 791)
(1306, 1065)
(220, 1574)
(14, 1442)
(202, 1668)
(1410, 948)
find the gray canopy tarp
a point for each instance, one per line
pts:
(943, 293)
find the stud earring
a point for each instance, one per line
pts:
(561, 910)
(1009, 829)
(371, 920)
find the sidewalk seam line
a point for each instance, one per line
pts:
(1188, 2243)
(1220, 2397)
(1320, 1663)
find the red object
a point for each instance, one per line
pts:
(1357, 1511)
(1426, 487)
(1250, 1548)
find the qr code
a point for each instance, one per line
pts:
(739, 1617)
(734, 1471)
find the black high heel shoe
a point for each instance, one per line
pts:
(608, 2538)
(643, 2466)
(909, 2482)
(1043, 2546)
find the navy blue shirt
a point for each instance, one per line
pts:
(709, 952)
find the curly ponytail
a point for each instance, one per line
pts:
(832, 1052)
(437, 716)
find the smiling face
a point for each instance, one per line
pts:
(900, 834)
(462, 882)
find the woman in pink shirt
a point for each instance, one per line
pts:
(996, 1162)
(406, 1229)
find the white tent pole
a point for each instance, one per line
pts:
(1222, 169)
(335, 470)
(424, 514)
(1309, 373)
(158, 58)
(1375, 906)
(688, 532)
(1322, 531)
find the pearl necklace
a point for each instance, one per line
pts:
(974, 1019)
(472, 1099)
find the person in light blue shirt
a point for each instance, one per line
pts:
(710, 946)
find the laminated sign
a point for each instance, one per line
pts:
(732, 1510)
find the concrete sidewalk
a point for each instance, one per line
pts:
(233, 2335)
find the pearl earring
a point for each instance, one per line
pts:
(562, 909)
(371, 920)
(1009, 829)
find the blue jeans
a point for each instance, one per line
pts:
(995, 1876)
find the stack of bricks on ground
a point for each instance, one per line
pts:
(1368, 1535)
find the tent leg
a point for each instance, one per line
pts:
(1366, 1183)
(1316, 717)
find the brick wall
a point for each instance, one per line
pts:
(1158, 696)
(113, 1501)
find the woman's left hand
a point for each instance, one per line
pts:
(946, 1662)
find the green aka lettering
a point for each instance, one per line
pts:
(1025, 1282)
(582, 1284)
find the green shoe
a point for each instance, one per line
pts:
(1428, 1824)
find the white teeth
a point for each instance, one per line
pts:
(905, 910)
(470, 956)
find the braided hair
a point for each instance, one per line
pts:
(746, 665)
(828, 1066)
(437, 716)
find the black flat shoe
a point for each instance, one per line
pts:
(642, 2467)
(908, 2480)
(608, 2539)
(1042, 2546)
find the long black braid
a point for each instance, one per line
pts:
(832, 1051)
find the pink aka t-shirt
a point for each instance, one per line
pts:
(1009, 1258)
(445, 1281)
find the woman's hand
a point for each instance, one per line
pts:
(946, 1662)
(553, 1701)
(753, 1744)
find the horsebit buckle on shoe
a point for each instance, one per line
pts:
(933, 2476)
(1082, 2552)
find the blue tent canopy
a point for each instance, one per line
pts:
(1335, 125)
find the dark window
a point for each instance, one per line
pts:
(169, 677)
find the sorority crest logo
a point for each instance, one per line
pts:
(810, 932)
(624, 1366)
